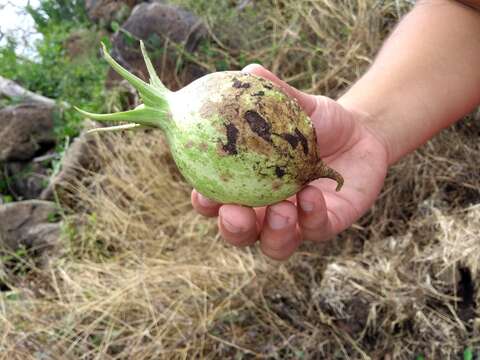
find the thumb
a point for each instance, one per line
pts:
(306, 101)
(334, 125)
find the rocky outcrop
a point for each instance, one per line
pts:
(79, 157)
(27, 180)
(109, 10)
(158, 25)
(167, 22)
(83, 44)
(29, 225)
(26, 130)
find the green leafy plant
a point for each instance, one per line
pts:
(54, 73)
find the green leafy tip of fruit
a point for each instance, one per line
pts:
(235, 137)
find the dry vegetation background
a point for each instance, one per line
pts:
(145, 277)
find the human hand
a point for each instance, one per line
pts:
(348, 144)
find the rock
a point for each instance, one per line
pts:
(158, 23)
(109, 10)
(172, 22)
(26, 130)
(42, 242)
(29, 224)
(82, 44)
(27, 180)
(80, 156)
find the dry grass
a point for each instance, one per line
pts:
(144, 277)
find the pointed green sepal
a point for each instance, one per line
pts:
(116, 128)
(151, 95)
(141, 115)
(154, 79)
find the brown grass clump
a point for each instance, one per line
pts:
(320, 46)
(145, 277)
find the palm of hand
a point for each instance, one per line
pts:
(317, 212)
(360, 156)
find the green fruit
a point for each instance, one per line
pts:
(236, 138)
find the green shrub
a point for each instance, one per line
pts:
(77, 80)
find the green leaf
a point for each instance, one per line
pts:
(12, 296)
(468, 354)
(115, 26)
(7, 199)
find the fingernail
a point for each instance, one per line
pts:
(276, 221)
(234, 229)
(307, 206)
(202, 200)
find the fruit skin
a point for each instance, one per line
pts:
(235, 137)
(241, 140)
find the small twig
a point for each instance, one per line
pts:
(243, 5)
(45, 157)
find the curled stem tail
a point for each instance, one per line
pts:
(323, 171)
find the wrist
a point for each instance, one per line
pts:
(424, 78)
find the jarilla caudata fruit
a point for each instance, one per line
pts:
(235, 137)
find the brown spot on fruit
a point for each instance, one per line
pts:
(291, 139)
(276, 184)
(303, 140)
(232, 135)
(208, 109)
(280, 172)
(260, 93)
(189, 144)
(294, 139)
(259, 125)
(203, 146)
(237, 84)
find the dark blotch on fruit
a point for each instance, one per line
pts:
(232, 135)
(259, 125)
(294, 139)
(279, 172)
(291, 139)
(303, 140)
(260, 93)
(237, 84)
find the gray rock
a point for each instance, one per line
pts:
(109, 10)
(27, 180)
(157, 23)
(43, 243)
(79, 157)
(166, 21)
(26, 130)
(29, 224)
